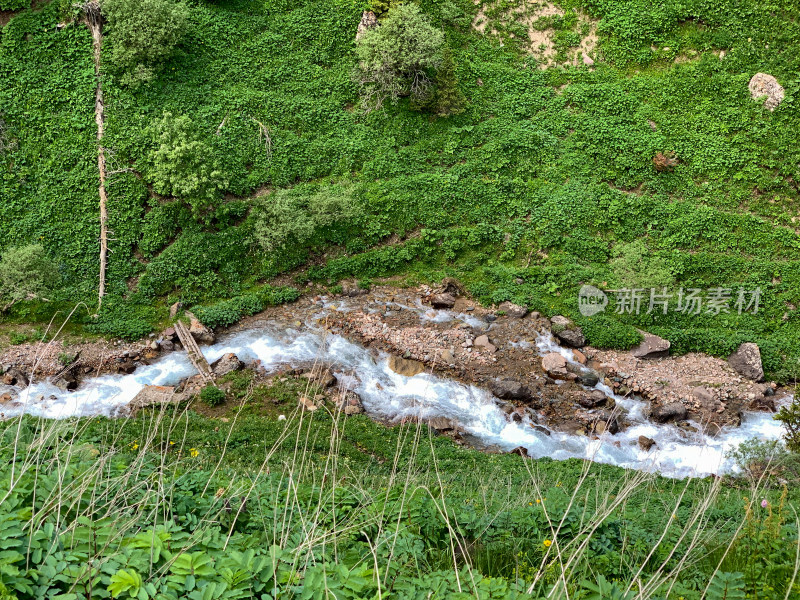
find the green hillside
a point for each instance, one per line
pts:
(547, 176)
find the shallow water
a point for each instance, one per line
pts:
(387, 395)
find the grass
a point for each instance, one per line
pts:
(350, 508)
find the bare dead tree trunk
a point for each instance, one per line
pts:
(94, 20)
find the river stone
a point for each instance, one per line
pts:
(152, 395)
(592, 399)
(762, 85)
(509, 389)
(201, 333)
(226, 364)
(651, 347)
(441, 424)
(747, 361)
(605, 421)
(405, 366)
(513, 310)
(320, 375)
(554, 363)
(482, 341)
(674, 411)
(15, 376)
(443, 300)
(646, 443)
(573, 338)
(447, 357)
(579, 356)
(588, 378)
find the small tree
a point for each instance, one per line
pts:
(449, 99)
(182, 164)
(143, 34)
(395, 59)
(26, 273)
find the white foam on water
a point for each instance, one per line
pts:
(387, 395)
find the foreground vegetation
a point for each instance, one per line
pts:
(173, 504)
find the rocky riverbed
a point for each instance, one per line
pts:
(545, 377)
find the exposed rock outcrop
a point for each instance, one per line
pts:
(651, 347)
(747, 361)
(762, 85)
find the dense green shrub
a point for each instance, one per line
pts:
(26, 273)
(604, 331)
(182, 164)
(305, 216)
(396, 59)
(212, 395)
(121, 318)
(143, 34)
(228, 312)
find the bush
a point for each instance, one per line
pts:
(143, 34)
(212, 395)
(228, 312)
(26, 273)
(394, 59)
(182, 164)
(603, 331)
(304, 217)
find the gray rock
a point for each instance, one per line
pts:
(513, 310)
(593, 399)
(442, 424)
(322, 376)
(226, 364)
(651, 347)
(762, 85)
(444, 300)
(15, 376)
(174, 309)
(747, 361)
(153, 395)
(573, 338)
(674, 411)
(588, 378)
(509, 389)
(560, 322)
(605, 422)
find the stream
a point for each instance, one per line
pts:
(387, 395)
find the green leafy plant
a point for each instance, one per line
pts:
(26, 273)
(396, 59)
(180, 164)
(604, 331)
(726, 586)
(143, 34)
(212, 395)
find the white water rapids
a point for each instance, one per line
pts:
(387, 395)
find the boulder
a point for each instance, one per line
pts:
(554, 364)
(174, 309)
(405, 366)
(605, 422)
(520, 451)
(747, 361)
(509, 389)
(226, 364)
(322, 376)
(762, 85)
(567, 332)
(153, 395)
(674, 411)
(592, 399)
(308, 404)
(513, 310)
(646, 443)
(6, 398)
(66, 382)
(579, 356)
(201, 333)
(368, 21)
(442, 424)
(15, 376)
(588, 377)
(447, 357)
(445, 300)
(482, 341)
(651, 347)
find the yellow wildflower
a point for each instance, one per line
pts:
(538, 501)
(134, 446)
(194, 452)
(547, 543)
